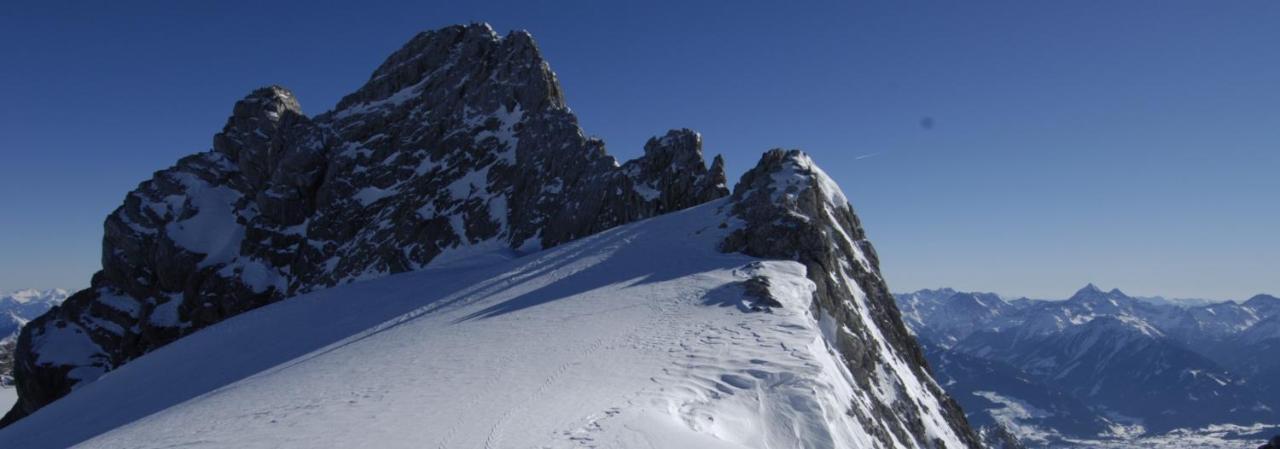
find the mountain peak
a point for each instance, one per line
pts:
(1091, 292)
(1262, 298)
(443, 67)
(459, 145)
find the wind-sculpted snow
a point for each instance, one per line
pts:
(642, 336)
(459, 144)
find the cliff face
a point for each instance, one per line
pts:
(460, 143)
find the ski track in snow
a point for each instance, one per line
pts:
(637, 337)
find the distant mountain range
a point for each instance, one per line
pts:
(21, 306)
(1101, 363)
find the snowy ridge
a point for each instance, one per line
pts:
(641, 336)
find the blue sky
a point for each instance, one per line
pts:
(1130, 144)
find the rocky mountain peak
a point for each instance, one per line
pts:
(462, 58)
(1088, 289)
(676, 145)
(459, 144)
(1091, 293)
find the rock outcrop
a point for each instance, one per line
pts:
(787, 208)
(459, 143)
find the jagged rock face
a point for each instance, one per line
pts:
(787, 208)
(460, 141)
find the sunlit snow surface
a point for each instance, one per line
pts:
(638, 337)
(8, 396)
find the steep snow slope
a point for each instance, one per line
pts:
(641, 336)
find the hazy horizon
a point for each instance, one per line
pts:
(1006, 147)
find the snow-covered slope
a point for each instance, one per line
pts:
(641, 336)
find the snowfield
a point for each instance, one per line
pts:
(638, 337)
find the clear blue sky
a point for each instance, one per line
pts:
(1130, 144)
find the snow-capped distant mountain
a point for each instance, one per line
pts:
(19, 307)
(16, 309)
(23, 305)
(1137, 365)
(518, 287)
(966, 313)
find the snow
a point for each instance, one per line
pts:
(647, 191)
(370, 195)
(255, 274)
(213, 230)
(166, 313)
(119, 302)
(635, 337)
(395, 99)
(1013, 414)
(505, 134)
(470, 183)
(68, 348)
(800, 171)
(8, 397)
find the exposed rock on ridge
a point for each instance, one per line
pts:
(787, 208)
(459, 143)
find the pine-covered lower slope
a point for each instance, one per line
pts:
(644, 336)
